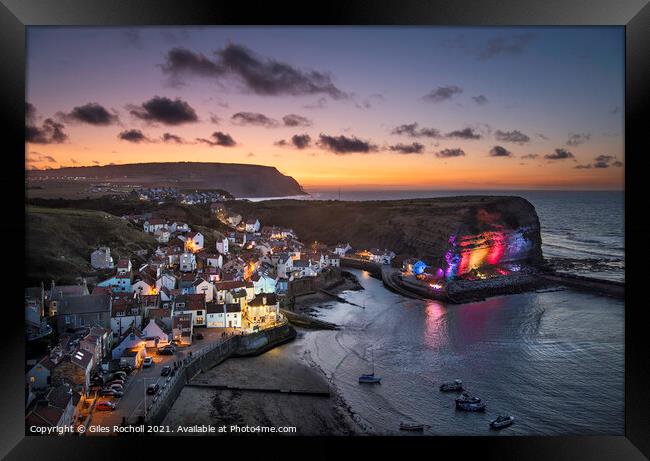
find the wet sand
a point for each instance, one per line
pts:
(311, 415)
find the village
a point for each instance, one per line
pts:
(134, 329)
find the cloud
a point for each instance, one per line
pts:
(345, 145)
(169, 137)
(514, 136)
(449, 153)
(580, 167)
(73, 161)
(413, 130)
(321, 103)
(132, 37)
(220, 139)
(529, 156)
(575, 139)
(259, 75)
(166, 111)
(465, 133)
(50, 132)
(301, 141)
(253, 118)
(541, 136)
(559, 154)
(34, 157)
(500, 151)
(505, 45)
(442, 93)
(414, 148)
(30, 113)
(603, 161)
(134, 135)
(96, 162)
(91, 113)
(214, 119)
(250, 154)
(296, 120)
(480, 100)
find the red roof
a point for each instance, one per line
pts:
(123, 264)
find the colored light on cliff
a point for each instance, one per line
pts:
(418, 267)
(497, 248)
(436, 286)
(477, 257)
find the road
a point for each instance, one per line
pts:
(131, 404)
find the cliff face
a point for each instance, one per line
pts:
(238, 179)
(456, 234)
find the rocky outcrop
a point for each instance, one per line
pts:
(462, 232)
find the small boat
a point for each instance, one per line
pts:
(467, 402)
(404, 426)
(370, 378)
(502, 421)
(456, 386)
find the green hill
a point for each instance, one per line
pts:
(60, 241)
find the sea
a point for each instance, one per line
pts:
(552, 358)
(582, 231)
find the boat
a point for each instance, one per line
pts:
(467, 402)
(455, 386)
(370, 378)
(502, 421)
(404, 426)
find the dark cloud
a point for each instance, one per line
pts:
(603, 161)
(259, 75)
(530, 156)
(559, 154)
(91, 113)
(30, 113)
(465, 133)
(253, 118)
(442, 93)
(134, 135)
(34, 157)
(345, 145)
(505, 45)
(480, 100)
(413, 130)
(580, 167)
(575, 139)
(414, 148)
(541, 136)
(169, 137)
(50, 132)
(500, 151)
(219, 139)
(96, 162)
(296, 120)
(514, 136)
(321, 103)
(301, 141)
(166, 111)
(448, 153)
(214, 119)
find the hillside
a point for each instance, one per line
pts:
(421, 227)
(59, 242)
(238, 179)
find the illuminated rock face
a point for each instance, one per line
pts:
(492, 238)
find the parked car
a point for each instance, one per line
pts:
(166, 350)
(199, 335)
(152, 389)
(116, 387)
(119, 374)
(166, 370)
(126, 367)
(116, 381)
(108, 392)
(147, 362)
(105, 406)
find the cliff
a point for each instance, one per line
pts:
(238, 179)
(458, 232)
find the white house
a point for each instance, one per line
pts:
(154, 224)
(101, 258)
(39, 375)
(263, 284)
(381, 256)
(263, 308)
(204, 287)
(187, 262)
(222, 246)
(133, 339)
(124, 267)
(166, 280)
(284, 265)
(156, 333)
(252, 225)
(144, 286)
(234, 220)
(333, 260)
(342, 248)
(162, 235)
(193, 241)
(224, 315)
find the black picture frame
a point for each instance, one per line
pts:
(634, 15)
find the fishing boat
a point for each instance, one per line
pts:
(502, 421)
(467, 402)
(404, 426)
(370, 378)
(456, 386)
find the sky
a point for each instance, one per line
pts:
(349, 107)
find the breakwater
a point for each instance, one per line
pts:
(211, 356)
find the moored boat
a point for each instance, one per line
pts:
(467, 402)
(502, 421)
(404, 426)
(455, 386)
(369, 378)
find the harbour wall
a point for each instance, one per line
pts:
(211, 356)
